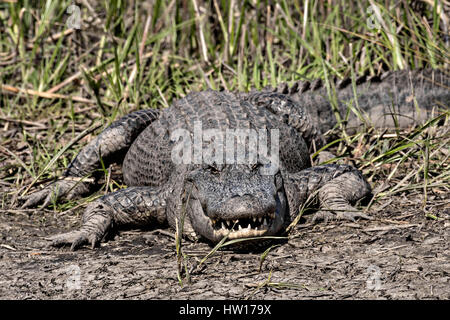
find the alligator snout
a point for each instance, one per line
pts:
(236, 202)
(240, 207)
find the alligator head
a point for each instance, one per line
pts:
(235, 201)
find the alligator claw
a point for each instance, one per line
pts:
(74, 239)
(54, 192)
(46, 195)
(97, 222)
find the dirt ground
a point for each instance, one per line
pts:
(401, 254)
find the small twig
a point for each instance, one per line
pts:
(391, 227)
(46, 95)
(7, 247)
(108, 180)
(30, 123)
(166, 105)
(65, 82)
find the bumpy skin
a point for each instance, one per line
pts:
(237, 200)
(395, 99)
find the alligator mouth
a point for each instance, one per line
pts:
(244, 227)
(238, 221)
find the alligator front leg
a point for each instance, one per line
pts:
(336, 188)
(139, 206)
(109, 146)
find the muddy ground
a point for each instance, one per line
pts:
(401, 254)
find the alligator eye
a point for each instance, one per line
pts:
(255, 166)
(213, 169)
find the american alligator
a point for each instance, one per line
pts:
(234, 198)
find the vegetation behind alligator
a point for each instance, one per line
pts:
(217, 193)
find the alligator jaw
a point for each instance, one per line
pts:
(257, 209)
(251, 226)
(245, 227)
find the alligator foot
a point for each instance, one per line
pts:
(97, 222)
(68, 188)
(74, 238)
(335, 187)
(337, 196)
(137, 206)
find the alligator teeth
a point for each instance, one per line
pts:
(223, 225)
(265, 222)
(249, 226)
(254, 219)
(260, 219)
(239, 227)
(236, 221)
